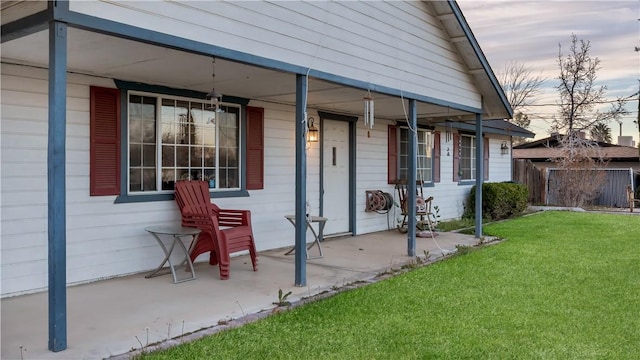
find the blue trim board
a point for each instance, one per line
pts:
(301, 181)
(124, 199)
(56, 173)
(352, 178)
(166, 90)
(412, 148)
(26, 26)
(333, 116)
(479, 175)
(321, 182)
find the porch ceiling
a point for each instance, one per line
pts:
(108, 56)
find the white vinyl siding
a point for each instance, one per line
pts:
(355, 40)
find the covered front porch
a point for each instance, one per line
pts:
(112, 317)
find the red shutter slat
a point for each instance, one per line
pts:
(392, 154)
(104, 149)
(436, 156)
(255, 148)
(485, 149)
(456, 157)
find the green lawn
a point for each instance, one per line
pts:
(563, 286)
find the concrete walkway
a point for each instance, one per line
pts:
(112, 317)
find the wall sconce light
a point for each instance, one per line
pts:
(504, 148)
(312, 131)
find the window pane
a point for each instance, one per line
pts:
(232, 159)
(149, 108)
(404, 135)
(135, 128)
(229, 179)
(135, 155)
(149, 179)
(199, 139)
(196, 156)
(135, 180)
(168, 156)
(182, 174)
(210, 176)
(149, 131)
(168, 133)
(149, 155)
(182, 156)
(168, 179)
(224, 159)
(209, 156)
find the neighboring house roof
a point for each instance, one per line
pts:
(547, 148)
(501, 127)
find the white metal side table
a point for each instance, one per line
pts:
(176, 232)
(317, 236)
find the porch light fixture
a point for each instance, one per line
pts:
(504, 148)
(368, 110)
(214, 96)
(312, 131)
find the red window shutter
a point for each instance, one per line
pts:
(104, 148)
(456, 157)
(485, 149)
(436, 156)
(392, 154)
(255, 148)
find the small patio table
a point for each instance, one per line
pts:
(177, 232)
(317, 236)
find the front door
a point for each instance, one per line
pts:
(335, 168)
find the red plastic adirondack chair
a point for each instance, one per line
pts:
(224, 231)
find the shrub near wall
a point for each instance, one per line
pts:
(499, 200)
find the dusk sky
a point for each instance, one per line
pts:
(529, 32)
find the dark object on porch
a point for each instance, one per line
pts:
(425, 218)
(192, 197)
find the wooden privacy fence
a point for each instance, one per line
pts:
(525, 172)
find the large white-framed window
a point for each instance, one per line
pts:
(425, 151)
(174, 138)
(467, 157)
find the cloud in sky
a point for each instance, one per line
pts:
(530, 32)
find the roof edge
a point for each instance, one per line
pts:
(478, 51)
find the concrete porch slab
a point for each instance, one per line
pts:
(112, 317)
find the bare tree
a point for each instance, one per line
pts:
(522, 88)
(579, 96)
(601, 132)
(578, 158)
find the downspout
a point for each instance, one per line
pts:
(479, 174)
(56, 188)
(301, 181)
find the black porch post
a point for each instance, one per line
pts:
(56, 186)
(301, 181)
